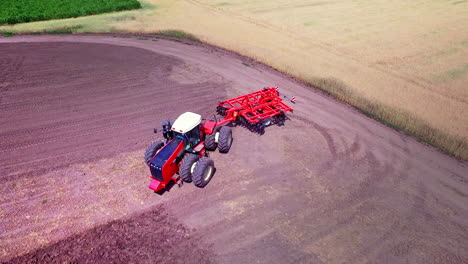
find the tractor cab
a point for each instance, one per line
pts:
(187, 128)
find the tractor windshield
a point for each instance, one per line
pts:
(181, 136)
(191, 138)
(184, 138)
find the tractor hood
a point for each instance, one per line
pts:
(162, 157)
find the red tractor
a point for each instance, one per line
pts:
(182, 155)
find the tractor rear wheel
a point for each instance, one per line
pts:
(204, 170)
(151, 150)
(187, 167)
(224, 139)
(210, 141)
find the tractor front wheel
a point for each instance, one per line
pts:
(187, 167)
(225, 139)
(204, 170)
(151, 150)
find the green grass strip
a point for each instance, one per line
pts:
(21, 11)
(177, 34)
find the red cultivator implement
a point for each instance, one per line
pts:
(257, 110)
(182, 155)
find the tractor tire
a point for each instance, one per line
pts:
(203, 172)
(225, 139)
(210, 141)
(185, 169)
(151, 150)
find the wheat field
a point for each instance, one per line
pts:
(403, 62)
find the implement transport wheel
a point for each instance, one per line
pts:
(151, 150)
(204, 170)
(224, 139)
(210, 141)
(187, 167)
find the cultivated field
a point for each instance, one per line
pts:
(403, 61)
(331, 186)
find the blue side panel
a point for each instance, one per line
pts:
(160, 159)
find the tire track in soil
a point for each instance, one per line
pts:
(7, 67)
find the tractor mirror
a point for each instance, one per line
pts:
(155, 130)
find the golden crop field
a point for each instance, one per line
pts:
(404, 62)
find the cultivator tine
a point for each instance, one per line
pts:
(279, 119)
(253, 127)
(260, 128)
(221, 110)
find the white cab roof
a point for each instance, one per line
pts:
(186, 122)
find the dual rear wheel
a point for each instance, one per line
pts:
(221, 138)
(200, 170)
(196, 169)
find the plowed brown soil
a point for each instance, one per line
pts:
(331, 186)
(150, 237)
